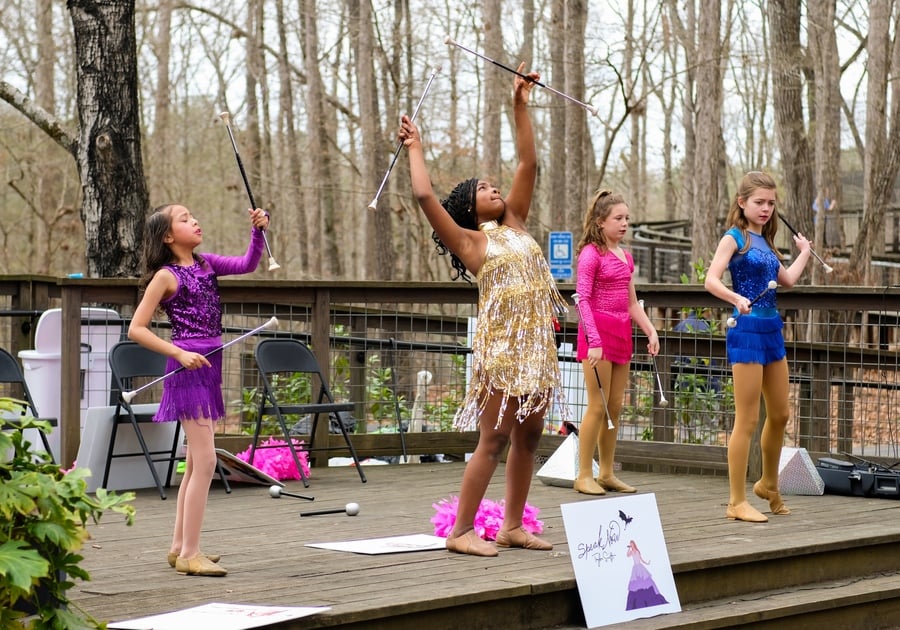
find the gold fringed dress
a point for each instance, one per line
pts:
(514, 347)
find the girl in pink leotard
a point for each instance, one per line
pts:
(607, 305)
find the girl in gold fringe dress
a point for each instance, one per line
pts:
(515, 374)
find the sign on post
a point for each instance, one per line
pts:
(560, 248)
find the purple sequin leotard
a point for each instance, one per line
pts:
(195, 313)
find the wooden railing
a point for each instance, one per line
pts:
(817, 367)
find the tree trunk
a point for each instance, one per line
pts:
(497, 88)
(880, 169)
(827, 72)
(316, 138)
(576, 123)
(790, 127)
(560, 215)
(708, 208)
(108, 151)
(379, 258)
(289, 225)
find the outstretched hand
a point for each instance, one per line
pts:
(409, 133)
(522, 87)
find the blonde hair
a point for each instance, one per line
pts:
(597, 211)
(750, 183)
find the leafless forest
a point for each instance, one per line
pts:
(110, 108)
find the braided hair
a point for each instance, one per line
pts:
(460, 205)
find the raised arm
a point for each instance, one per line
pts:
(518, 201)
(234, 265)
(468, 245)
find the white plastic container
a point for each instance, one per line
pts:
(101, 329)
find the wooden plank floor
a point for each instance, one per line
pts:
(262, 542)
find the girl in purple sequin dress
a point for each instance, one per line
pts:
(184, 285)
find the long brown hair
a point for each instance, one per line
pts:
(749, 184)
(156, 253)
(597, 211)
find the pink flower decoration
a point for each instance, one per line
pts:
(488, 519)
(273, 457)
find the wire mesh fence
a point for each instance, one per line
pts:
(401, 355)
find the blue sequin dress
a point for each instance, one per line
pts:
(757, 337)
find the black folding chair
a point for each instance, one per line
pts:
(289, 357)
(128, 361)
(11, 373)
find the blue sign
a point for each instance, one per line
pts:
(560, 249)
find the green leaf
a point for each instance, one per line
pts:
(21, 565)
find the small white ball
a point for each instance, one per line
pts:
(274, 492)
(352, 509)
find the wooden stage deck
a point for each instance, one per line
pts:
(834, 563)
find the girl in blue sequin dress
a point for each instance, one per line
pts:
(755, 345)
(184, 285)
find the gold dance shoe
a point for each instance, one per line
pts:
(199, 565)
(518, 537)
(776, 505)
(614, 484)
(471, 544)
(588, 486)
(745, 512)
(172, 556)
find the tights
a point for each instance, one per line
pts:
(594, 430)
(194, 489)
(523, 441)
(749, 380)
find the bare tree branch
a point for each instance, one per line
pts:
(39, 116)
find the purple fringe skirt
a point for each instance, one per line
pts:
(193, 394)
(756, 340)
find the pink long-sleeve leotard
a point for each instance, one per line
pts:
(602, 282)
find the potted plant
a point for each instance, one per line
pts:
(44, 512)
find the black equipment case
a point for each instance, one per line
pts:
(862, 479)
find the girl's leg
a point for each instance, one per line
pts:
(615, 379)
(775, 384)
(524, 439)
(594, 418)
(178, 533)
(476, 477)
(202, 456)
(747, 387)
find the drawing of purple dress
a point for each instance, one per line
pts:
(642, 591)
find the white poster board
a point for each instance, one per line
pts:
(219, 616)
(620, 559)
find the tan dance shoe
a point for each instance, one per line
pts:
(587, 485)
(614, 484)
(172, 556)
(776, 505)
(518, 537)
(745, 512)
(471, 544)
(199, 565)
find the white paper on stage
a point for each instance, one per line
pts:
(219, 616)
(391, 544)
(620, 559)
